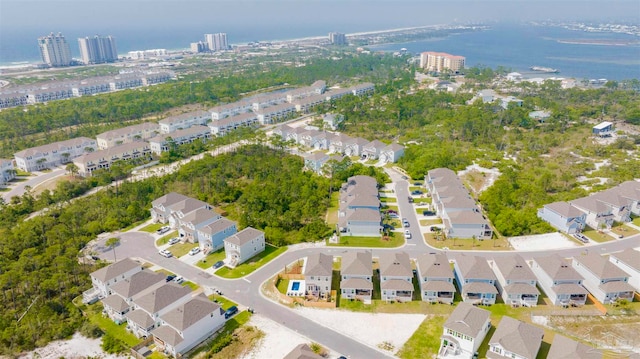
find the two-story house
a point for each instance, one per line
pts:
(185, 120)
(211, 236)
(127, 134)
(356, 273)
(558, 279)
(464, 331)
(243, 245)
(355, 146)
(516, 282)
(124, 292)
(103, 159)
(146, 311)
(598, 214)
(396, 277)
(195, 220)
(563, 217)
(53, 154)
(187, 325)
(629, 261)
(373, 150)
(318, 270)
(391, 153)
(104, 278)
(182, 208)
(475, 280)
(7, 172)
(359, 207)
(604, 280)
(565, 348)
(436, 278)
(314, 161)
(160, 208)
(167, 141)
(515, 340)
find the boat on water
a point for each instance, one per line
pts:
(547, 70)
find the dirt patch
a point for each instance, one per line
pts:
(619, 333)
(245, 339)
(479, 178)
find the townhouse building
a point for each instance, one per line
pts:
(475, 279)
(603, 279)
(563, 216)
(183, 121)
(165, 142)
(53, 154)
(359, 207)
(103, 278)
(135, 133)
(118, 304)
(396, 277)
(275, 113)
(223, 126)
(103, 159)
(561, 283)
(436, 278)
(211, 236)
(192, 222)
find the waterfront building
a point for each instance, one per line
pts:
(55, 50)
(199, 46)
(440, 62)
(337, 38)
(216, 42)
(98, 49)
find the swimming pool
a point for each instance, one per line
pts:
(296, 288)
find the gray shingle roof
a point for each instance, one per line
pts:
(521, 288)
(244, 236)
(356, 263)
(600, 266)
(56, 146)
(146, 126)
(137, 283)
(557, 268)
(565, 348)
(517, 337)
(564, 209)
(396, 284)
(162, 297)
(434, 265)
(616, 286)
(467, 319)
(356, 283)
(514, 268)
(167, 335)
(319, 264)
(116, 302)
(141, 318)
(479, 287)
(395, 264)
(473, 267)
(629, 257)
(438, 286)
(217, 226)
(115, 269)
(363, 214)
(169, 199)
(199, 215)
(302, 351)
(187, 205)
(190, 312)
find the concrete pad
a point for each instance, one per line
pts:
(542, 241)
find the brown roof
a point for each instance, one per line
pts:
(629, 257)
(438, 286)
(356, 263)
(467, 319)
(319, 264)
(473, 267)
(600, 266)
(514, 268)
(356, 283)
(115, 269)
(162, 297)
(167, 335)
(137, 283)
(434, 265)
(565, 348)
(395, 265)
(244, 236)
(396, 284)
(558, 268)
(116, 302)
(517, 337)
(302, 351)
(190, 312)
(466, 217)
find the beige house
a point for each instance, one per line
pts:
(318, 270)
(396, 277)
(356, 273)
(436, 278)
(463, 332)
(515, 339)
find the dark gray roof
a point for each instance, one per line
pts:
(395, 264)
(434, 265)
(517, 337)
(302, 351)
(600, 266)
(467, 319)
(244, 236)
(162, 297)
(514, 268)
(565, 348)
(137, 283)
(190, 312)
(115, 269)
(319, 264)
(356, 263)
(558, 268)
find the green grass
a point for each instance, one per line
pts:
(387, 207)
(596, 236)
(430, 222)
(22, 173)
(422, 200)
(636, 221)
(282, 284)
(4, 189)
(499, 244)
(152, 228)
(425, 342)
(397, 239)
(191, 285)
(165, 239)
(211, 259)
(94, 314)
(332, 211)
(224, 302)
(626, 231)
(257, 261)
(415, 188)
(388, 200)
(180, 249)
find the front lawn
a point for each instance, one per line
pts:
(270, 252)
(430, 222)
(624, 230)
(152, 228)
(596, 236)
(498, 244)
(636, 221)
(422, 200)
(425, 342)
(211, 259)
(180, 249)
(332, 211)
(396, 240)
(222, 301)
(282, 284)
(165, 239)
(388, 200)
(94, 313)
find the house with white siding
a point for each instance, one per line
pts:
(391, 153)
(463, 332)
(558, 279)
(7, 171)
(192, 222)
(606, 282)
(436, 278)
(230, 109)
(127, 134)
(338, 143)
(104, 278)
(53, 154)
(315, 160)
(373, 150)
(356, 273)
(188, 325)
(355, 146)
(242, 246)
(565, 348)
(223, 126)
(161, 207)
(563, 217)
(103, 159)
(475, 279)
(273, 114)
(514, 339)
(359, 207)
(126, 291)
(318, 271)
(147, 309)
(629, 261)
(516, 282)
(184, 120)
(396, 277)
(164, 142)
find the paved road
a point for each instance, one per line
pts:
(41, 177)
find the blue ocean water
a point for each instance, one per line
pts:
(513, 46)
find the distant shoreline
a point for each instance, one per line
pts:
(598, 42)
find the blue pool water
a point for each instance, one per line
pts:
(295, 286)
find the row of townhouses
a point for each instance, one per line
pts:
(340, 144)
(598, 210)
(26, 95)
(359, 207)
(460, 213)
(177, 318)
(7, 171)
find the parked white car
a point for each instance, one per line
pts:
(166, 253)
(194, 251)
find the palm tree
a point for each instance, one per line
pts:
(112, 243)
(72, 169)
(89, 149)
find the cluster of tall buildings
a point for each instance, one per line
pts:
(337, 38)
(212, 42)
(441, 62)
(55, 50)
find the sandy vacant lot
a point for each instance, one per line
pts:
(541, 241)
(76, 347)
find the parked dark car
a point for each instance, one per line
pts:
(171, 277)
(230, 312)
(218, 264)
(428, 213)
(416, 192)
(410, 199)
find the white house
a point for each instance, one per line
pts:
(603, 129)
(463, 332)
(629, 261)
(475, 280)
(223, 126)
(103, 159)
(7, 172)
(160, 208)
(124, 292)
(356, 273)
(373, 150)
(355, 146)
(338, 143)
(275, 113)
(163, 142)
(598, 213)
(127, 134)
(515, 339)
(188, 325)
(558, 279)
(185, 120)
(396, 277)
(606, 282)
(318, 270)
(146, 311)
(53, 154)
(436, 278)
(104, 278)
(563, 216)
(243, 245)
(516, 282)
(195, 220)
(230, 109)
(314, 161)
(391, 153)
(359, 212)
(332, 120)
